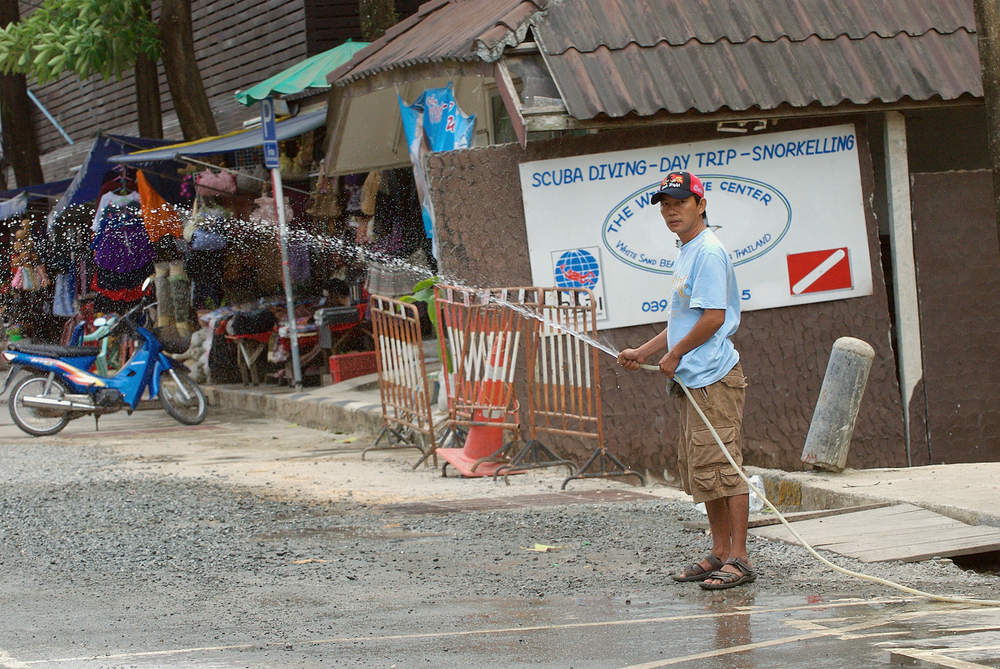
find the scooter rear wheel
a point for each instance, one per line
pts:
(182, 399)
(37, 422)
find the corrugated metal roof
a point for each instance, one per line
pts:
(764, 75)
(586, 25)
(616, 57)
(443, 30)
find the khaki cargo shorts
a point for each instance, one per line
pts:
(705, 472)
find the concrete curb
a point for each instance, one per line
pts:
(967, 493)
(810, 491)
(349, 409)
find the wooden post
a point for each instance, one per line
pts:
(829, 437)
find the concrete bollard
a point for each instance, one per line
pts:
(829, 437)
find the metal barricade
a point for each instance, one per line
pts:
(480, 336)
(402, 378)
(564, 386)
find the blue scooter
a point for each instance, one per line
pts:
(59, 386)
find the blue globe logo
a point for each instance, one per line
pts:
(577, 269)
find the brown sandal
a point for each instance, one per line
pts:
(728, 578)
(695, 572)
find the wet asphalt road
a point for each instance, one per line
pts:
(117, 550)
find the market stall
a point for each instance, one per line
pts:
(45, 264)
(202, 218)
(225, 232)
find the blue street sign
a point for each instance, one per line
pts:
(271, 156)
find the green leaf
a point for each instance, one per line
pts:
(426, 283)
(425, 295)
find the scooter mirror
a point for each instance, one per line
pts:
(147, 282)
(100, 322)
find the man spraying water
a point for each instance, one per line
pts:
(703, 313)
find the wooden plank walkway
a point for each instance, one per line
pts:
(902, 532)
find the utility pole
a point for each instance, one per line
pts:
(988, 37)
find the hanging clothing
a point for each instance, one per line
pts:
(122, 245)
(112, 198)
(398, 225)
(352, 191)
(126, 295)
(159, 217)
(369, 191)
(117, 179)
(109, 280)
(83, 270)
(65, 292)
(204, 269)
(69, 239)
(298, 260)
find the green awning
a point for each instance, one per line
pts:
(310, 73)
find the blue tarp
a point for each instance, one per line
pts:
(14, 202)
(86, 186)
(13, 207)
(41, 190)
(234, 141)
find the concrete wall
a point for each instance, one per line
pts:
(958, 276)
(482, 241)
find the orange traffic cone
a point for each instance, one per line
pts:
(483, 439)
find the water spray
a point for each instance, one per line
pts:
(349, 247)
(803, 542)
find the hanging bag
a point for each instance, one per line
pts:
(211, 183)
(207, 228)
(267, 212)
(251, 181)
(326, 199)
(28, 280)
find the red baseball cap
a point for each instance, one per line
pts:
(679, 185)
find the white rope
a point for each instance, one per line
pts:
(848, 572)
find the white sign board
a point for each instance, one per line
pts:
(789, 205)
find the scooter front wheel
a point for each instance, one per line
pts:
(181, 397)
(35, 421)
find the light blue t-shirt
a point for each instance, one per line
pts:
(704, 279)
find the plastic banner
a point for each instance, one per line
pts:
(433, 122)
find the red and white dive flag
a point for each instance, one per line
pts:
(819, 271)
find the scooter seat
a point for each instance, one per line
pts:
(55, 350)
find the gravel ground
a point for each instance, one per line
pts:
(72, 518)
